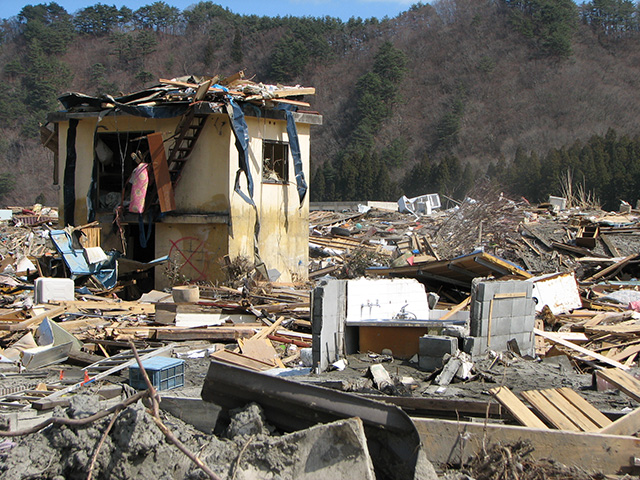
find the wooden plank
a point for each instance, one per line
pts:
(596, 319)
(611, 269)
(556, 339)
(270, 329)
(570, 411)
(451, 442)
(515, 406)
(595, 415)
(161, 172)
(259, 349)
(292, 92)
(625, 382)
(626, 329)
(627, 425)
(626, 352)
(456, 309)
(548, 410)
(609, 244)
(213, 333)
(33, 321)
(241, 360)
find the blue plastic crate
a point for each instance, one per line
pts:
(165, 373)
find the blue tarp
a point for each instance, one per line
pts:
(104, 272)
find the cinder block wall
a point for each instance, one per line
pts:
(501, 311)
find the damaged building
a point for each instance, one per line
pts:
(192, 169)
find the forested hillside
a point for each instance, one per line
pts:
(522, 91)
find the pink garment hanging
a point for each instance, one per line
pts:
(139, 185)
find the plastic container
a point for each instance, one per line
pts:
(59, 289)
(165, 373)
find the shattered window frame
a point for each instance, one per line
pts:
(275, 161)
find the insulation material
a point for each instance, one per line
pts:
(559, 291)
(386, 299)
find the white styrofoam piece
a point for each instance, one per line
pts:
(47, 289)
(559, 291)
(383, 299)
(6, 214)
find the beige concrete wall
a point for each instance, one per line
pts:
(195, 252)
(283, 238)
(204, 186)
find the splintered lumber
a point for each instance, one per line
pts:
(619, 329)
(610, 246)
(517, 408)
(265, 332)
(612, 268)
(624, 381)
(456, 309)
(557, 339)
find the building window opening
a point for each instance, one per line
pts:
(275, 162)
(117, 154)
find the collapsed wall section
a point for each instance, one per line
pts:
(502, 311)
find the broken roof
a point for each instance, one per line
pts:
(172, 97)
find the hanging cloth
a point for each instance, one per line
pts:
(139, 184)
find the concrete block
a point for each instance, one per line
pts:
(522, 306)
(517, 325)
(502, 308)
(430, 364)
(479, 346)
(468, 344)
(529, 323)
(499, 342)
(437, 346)
(500, 326)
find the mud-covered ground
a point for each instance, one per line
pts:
(136, 448)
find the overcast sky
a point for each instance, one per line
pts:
(314, 8)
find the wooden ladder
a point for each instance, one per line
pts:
(186, 135)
